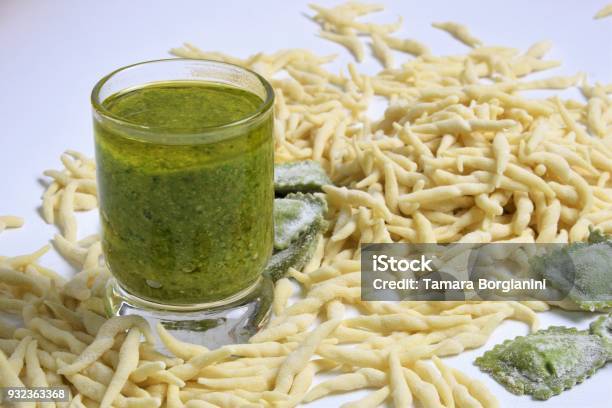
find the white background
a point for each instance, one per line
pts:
(52, 53)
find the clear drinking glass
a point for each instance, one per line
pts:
(184, 153)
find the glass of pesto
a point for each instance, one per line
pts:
(184, 153)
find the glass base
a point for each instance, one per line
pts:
(233, 320)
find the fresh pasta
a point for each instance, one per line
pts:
(459, 155)
(10, 221)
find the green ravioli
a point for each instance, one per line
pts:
(583, 270)
(602, 327)
(304, 176)
(545, 363)
(292, 217)
(298, 223)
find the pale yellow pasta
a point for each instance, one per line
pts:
(382, 51)
(428, 373)
(461, 394)
(49, 200)
(8, 377)
(145, 369)
(488, 205)
(424, 229)
(424, 392)
(559, 82)
(266, 349)
(335, 310)
(224, 399)
(17, 358)
(69, 250)
(266, 362)
(194, 403)
(295, 324)
(11, 305)
(77, 402)
(526, 314)
(105, 339)
(84, 385)
(341, 19)
(407, 45)
(173, 399)
(476, 389)
(283, 289)
(523, 213)
(57, 336)
(11, 277)
(191, 368)
(455, 125)
(98, 371)
(549, 222)
(179, 348)
(92, 259)
(92, 321)
(604, 12)
(362, 378)
(301, 382)
(61, 311)
(391, 188)
(402, 397)
(356, 197)
(478, 309)
(404, 322)
(216, 371)
(35, 376)
(43, 343)
(128, 361)
(372, 400)
(10, 221)
(67, 220)
(350, 41)
(96, 391)
(6, 330)
(254, 383)
(501, 151)
(460, 32)
(539, 49)
(299, 358)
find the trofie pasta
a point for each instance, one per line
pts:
(604, 12)
(459, 155)
(460, 32)
(10, 221)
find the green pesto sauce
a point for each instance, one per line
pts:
(185, 223)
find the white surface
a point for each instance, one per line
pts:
(54, 51)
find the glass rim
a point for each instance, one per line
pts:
(99, 108)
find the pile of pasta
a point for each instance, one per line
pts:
(458, 156)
